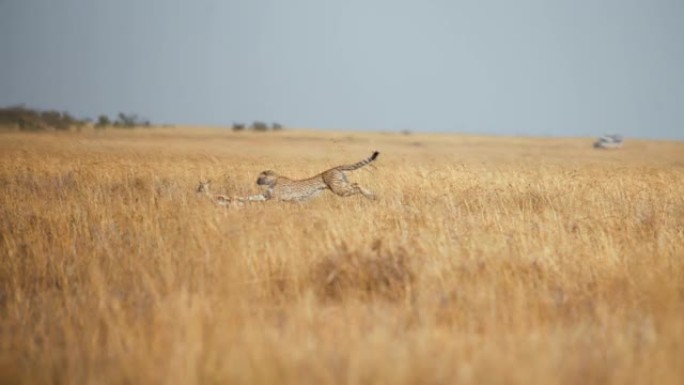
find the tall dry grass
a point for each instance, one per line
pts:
(486, 260)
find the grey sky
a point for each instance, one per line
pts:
(566, 67)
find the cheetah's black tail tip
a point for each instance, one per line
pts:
(375, 155)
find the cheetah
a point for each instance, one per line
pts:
(281, 188)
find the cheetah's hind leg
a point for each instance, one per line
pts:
(368, 194)
(346, 190)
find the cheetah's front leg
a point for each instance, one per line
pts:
(252, 198)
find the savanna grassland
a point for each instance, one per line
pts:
(485, 260)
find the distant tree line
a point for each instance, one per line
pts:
(26, 119)
(257, 126)
(30, 119)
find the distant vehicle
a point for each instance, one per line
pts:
(609, 141)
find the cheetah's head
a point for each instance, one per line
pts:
(267, 178)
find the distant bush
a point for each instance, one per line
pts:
(103, 122)
(259, 126)
(126, 121)
(58, 120)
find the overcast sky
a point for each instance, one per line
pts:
(563, 67)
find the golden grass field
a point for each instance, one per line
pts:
(485, 260)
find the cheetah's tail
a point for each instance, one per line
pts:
(360, 164)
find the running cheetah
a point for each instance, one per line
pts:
(285, 189)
